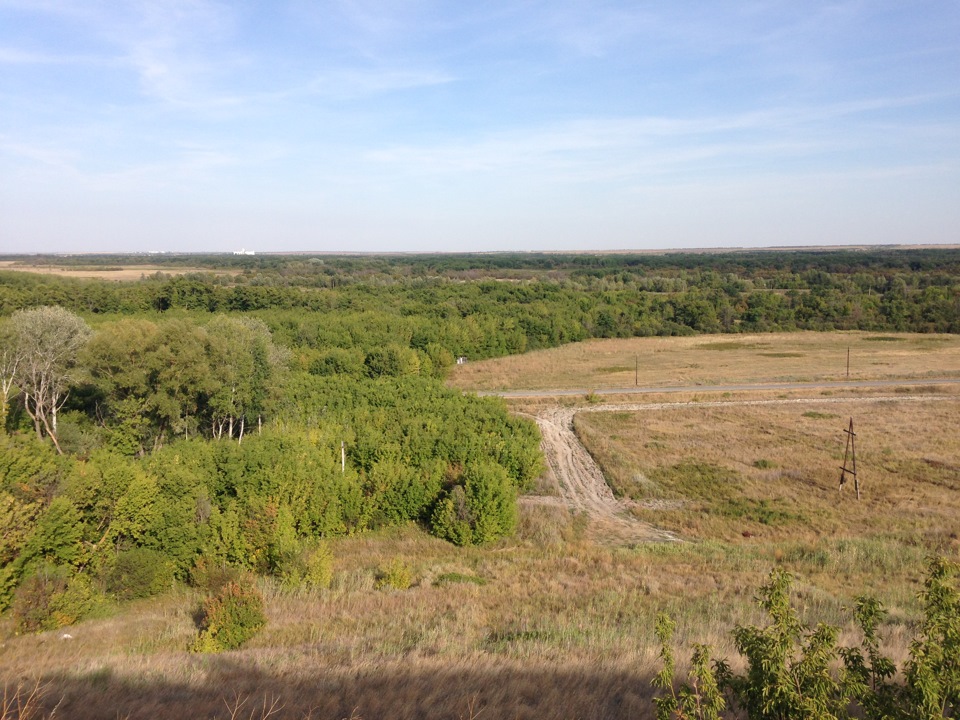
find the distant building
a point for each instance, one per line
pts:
(461, 360)
(241, 251)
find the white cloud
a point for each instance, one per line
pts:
(605, 149)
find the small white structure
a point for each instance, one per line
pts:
(462, 360)
(241, 251)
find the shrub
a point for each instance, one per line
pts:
(211, 577)
(138, 573)
(230, 618)
(483, 509)
(793, 671)
(312, 567)
(51, 598)
(451, 518)
(396, 574)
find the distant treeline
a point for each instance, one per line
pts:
(490, 305)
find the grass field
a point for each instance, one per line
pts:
(550, 624)
(125, 272)
(716, 360)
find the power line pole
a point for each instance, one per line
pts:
(851, 453)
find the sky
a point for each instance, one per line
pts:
(414, 125)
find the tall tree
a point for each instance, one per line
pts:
(180, 379)
(9, 361)
(119, 358)
(244, 361)
(48, 340)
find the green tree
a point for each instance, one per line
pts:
(48, 341)
(57, 536)
(118, 358)
(243, 358)
(181, 380)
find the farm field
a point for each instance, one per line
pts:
(717, 360)
(126, 273)
(557, 621)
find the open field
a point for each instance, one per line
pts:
(125, 272)
(772, 469)
(718, 359)
(557, 622)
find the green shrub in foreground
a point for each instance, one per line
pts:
(311, 567)
(230, 618)
(797, 672)
(396, 574)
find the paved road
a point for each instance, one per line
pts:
(648, 390)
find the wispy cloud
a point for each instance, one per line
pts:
(15, 56)
(604, 149)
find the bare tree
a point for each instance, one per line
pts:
(47, 341)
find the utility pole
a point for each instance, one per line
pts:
(343, 458)
(851, 454)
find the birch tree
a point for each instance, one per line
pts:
(9, 362)
(244, 361)
(47, 341)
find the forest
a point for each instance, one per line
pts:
(228, 412)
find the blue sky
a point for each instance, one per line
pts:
(193, 125)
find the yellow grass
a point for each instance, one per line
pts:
(124, 272)
(713, 471)
(561, 629)
(716, 360)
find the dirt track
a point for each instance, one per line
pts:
(580, 482)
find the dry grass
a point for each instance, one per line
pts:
(121, 272)
(717, 360)
(560, 628)
(773, 470)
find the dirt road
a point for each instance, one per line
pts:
(750, 387)
(580, 482)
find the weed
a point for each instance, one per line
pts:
(452, 578)
(395, 575)
(23, 702)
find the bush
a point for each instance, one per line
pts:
(138, 573)
(483, 509)
(793, 671)
(51, 598)
(312, 567)
(230, 618)
(451, 518)
(396, 574)
(211, 577)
